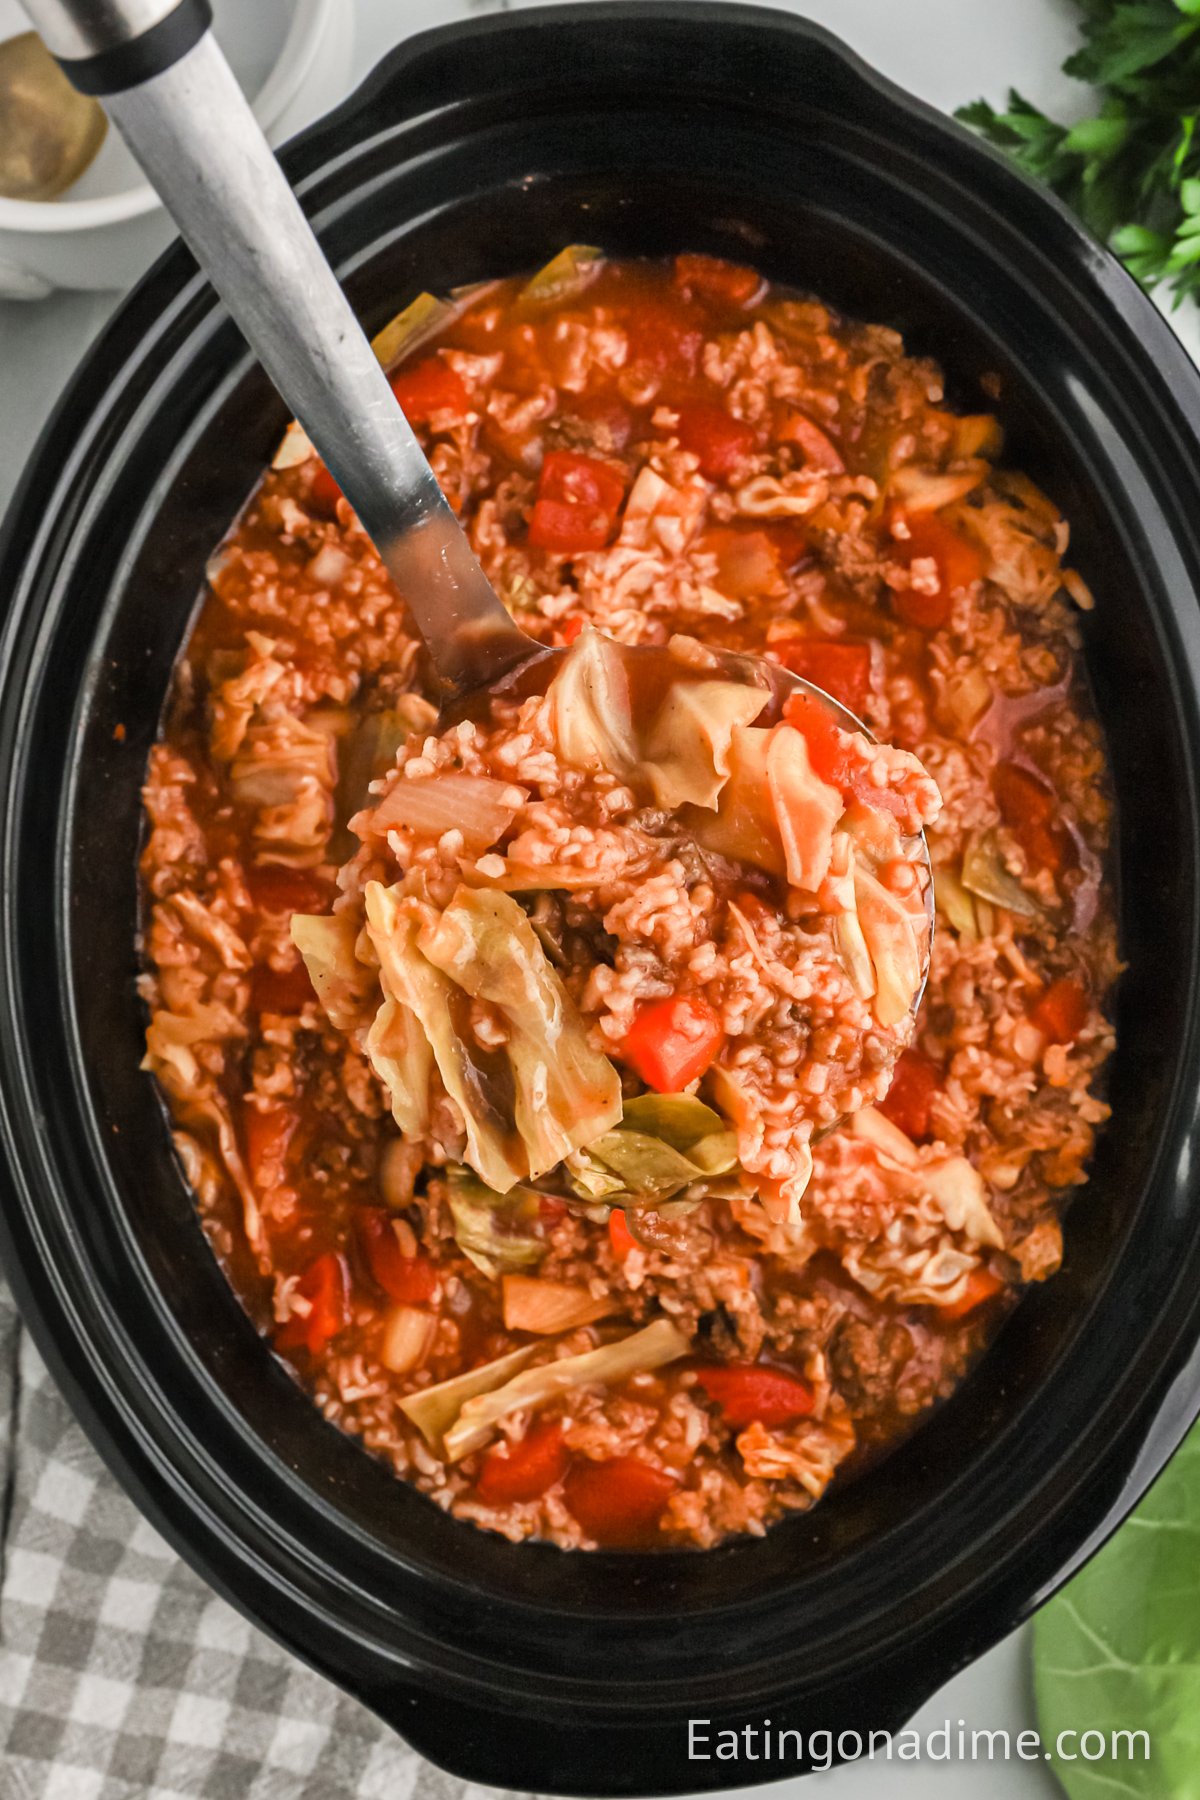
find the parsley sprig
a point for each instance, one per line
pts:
(1132, 171)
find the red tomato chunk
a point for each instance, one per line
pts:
(280, 990)
(578, 499)
(326, 1288)
(721, 442)
(839, 668)
(958, 562)
(672, 1042)
(915, 1082)
(1029, 808)
(618, 1502)
(619, 1234)
(1061, 1012)
(524, 1471)
(429, 387)
(411, 1279)
(268, 1132)
(750, 1392)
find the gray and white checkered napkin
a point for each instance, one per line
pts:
(122, 1676)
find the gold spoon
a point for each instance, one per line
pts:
(49, 133)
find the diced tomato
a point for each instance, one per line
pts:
(820, 452)
(618, 1502)
(1061, 1011)
(826, 751)
(577, 503)
(981, 1285)
(324, 491)
(840, 668)
(1028, 808)
(720, 441)
(280, 990)
(326, 1287)
(619, 1234)
(274, 889)
(959, 563)
(672, 1042)
(429, 387)
(412, 1279)
(571, 627)
(268, 1131)
(791, 542)
(746, 1392)
(715, 279)
(527, 1469)
(915, 1080)
(662, 338)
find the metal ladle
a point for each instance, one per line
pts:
(171, 94)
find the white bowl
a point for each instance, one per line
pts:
(292, 57)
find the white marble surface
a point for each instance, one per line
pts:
(947, 51)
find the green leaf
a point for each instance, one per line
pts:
(1189, 194)
(1097, 137)
(1137, 240)
(1119, 1648)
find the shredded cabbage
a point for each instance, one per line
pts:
(434, 1409)
(892, 941)
(806, 808)
(688, 746)
(659, 1343)
(496, 1231)
(590, 711)
(663, 1144)
(564, 1092)
(340, 981)
(564, 277)
(984, 873)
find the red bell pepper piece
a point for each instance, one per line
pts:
(712, 278)
(721, 442)
(750, 1392)
(1061, 1011)
(981, 1285)
(527, 1469)
(672, 1042)
(578, 499)
(412, 1279)
(326, 1287)
(619, 1234)
(620, 1501)
(840, 668)
(959, 563)
(915, 1080)
(429, 387)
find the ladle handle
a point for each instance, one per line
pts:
(171, 94)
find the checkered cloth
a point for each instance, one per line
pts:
(122, 1677)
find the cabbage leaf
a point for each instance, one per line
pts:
(689, 743)
(433, 1409)
(495, 1231)
(591, 717)
(663, 1144)
(656, 1344)
(564, 1092)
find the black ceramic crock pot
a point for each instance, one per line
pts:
(472, 152)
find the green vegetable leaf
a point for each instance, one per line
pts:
(1119, 1649)
(663, 1144)
(1131, 170)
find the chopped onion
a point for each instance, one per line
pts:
(549, 1307)
(408, 1335)
(475, 805)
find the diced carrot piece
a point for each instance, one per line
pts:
(981, 1285)
(326, 1288)
(618, 1502)
(1061, 1011)
(619, 1234)
(715, 279)
(746, 1392)
(571, 627)
(721, 442)
(747, 561)
(915, 1081)
(672, 1042)
(526, 1469)
(429, 387)
(842, 669)
(410, 1279)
